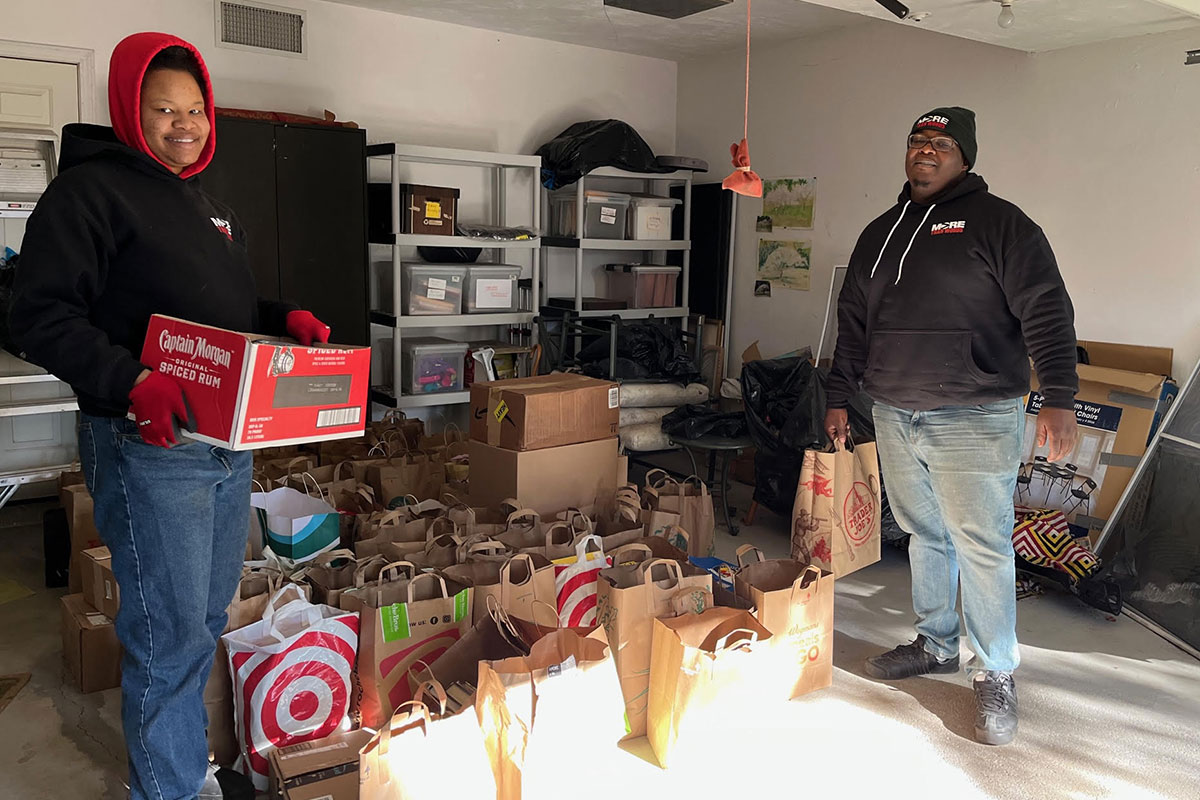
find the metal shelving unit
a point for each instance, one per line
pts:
(500, 164)
(580, 246)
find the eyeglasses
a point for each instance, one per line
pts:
(942, 144)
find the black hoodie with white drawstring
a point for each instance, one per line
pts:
(945, 301)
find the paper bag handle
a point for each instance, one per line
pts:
(305, 479)
(486, 546)
(698, 481)
(262, 489)
(553, 612)
(458, 505)
(392, 516)
(383, 450)
(522, 513)
(632, 547)
(806, 579)
(394, 566)
(435, 527)
(360, 571)
(677, 530)
(553, 529)
(426, 577)
(399, 718)
(432, 686)
(327, 558)
(749, 548)
(506, 570)
(748, 640)
(666, 478)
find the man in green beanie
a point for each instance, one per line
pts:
(947, 296)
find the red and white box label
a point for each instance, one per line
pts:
(246, 391)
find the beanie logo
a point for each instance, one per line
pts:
(932, 121)
(223, 226)
(948, 227)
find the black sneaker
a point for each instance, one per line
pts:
(995, 708)
(223, 783)
(908, 660)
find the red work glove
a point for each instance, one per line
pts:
(305, 328)
(157, 402)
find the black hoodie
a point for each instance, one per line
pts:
(945, 301)
(116, 238)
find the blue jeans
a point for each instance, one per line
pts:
(950, 474)
(176, 522)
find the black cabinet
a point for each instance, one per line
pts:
(300, 193)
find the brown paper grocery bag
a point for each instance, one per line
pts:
(706, 669)
(546, 710)
(690, 499)
(836, 516)
(628, 600)
(419, 756)
(402, 624)
(795, 602)
(515, 583)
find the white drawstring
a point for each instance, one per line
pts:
(889, 236)
(900, 271)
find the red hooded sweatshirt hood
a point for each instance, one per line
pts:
(127, 70)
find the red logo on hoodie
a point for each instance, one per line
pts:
(223, 226)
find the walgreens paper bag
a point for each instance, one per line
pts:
(297, 527)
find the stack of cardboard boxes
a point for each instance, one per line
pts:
(550, 441)
(90, 645)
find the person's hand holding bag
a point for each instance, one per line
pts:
(157, 401)
(305, 328)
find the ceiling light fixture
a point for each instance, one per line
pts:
(1006, 18)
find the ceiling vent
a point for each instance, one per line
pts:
(262, 28)
(671, 9)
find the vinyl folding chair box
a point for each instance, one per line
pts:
(1123, 394)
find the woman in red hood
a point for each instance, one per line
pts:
(122, 233)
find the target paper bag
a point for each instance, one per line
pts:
(836, 516)
(575, 580)
(547, 711)
(291, 677)
(794, 602)
(629, 598)
(404, 623)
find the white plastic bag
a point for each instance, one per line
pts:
(291, 677)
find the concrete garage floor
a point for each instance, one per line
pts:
(1108, 709)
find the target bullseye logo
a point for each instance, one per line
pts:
(296, 695)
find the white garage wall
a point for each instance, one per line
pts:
(1098, 144)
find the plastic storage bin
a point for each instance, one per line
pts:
(432, 289)
(643, 286)
(492, 289)
(650, 217)
(432, 365)
(603, 217)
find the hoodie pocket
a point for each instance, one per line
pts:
(931, 358)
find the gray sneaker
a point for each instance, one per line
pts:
(907, 661)
(995, 707)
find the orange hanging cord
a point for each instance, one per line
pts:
(744, 180)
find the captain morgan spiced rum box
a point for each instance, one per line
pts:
(246, 391)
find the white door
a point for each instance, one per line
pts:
(34, 96)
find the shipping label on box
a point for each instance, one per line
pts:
(245, 392)
(99, 582)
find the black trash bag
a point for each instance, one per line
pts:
(692, 422)
(645, 351)
(586, 146)
(785, 411)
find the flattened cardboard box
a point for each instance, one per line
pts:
(90, 646)
(544, 411)
(323, 769)
(548, 480)
(99, 583)
(246, 391)
(1117, 411)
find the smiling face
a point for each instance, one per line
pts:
(173, 119)
(929, 169)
